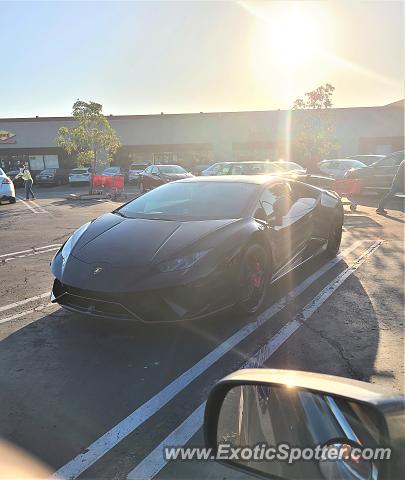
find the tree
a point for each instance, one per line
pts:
(91, 139)
(314, 129)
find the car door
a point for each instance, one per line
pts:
(155, 177)
(290, 231)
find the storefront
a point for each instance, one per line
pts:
(201, 138)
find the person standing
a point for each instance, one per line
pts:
(396, 187)
(25, 174)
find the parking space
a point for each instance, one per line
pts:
(100, 398)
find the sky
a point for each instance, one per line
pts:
(191, 56)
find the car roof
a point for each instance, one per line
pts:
(256, 179)
(165, 165)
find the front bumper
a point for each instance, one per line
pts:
(155, 306)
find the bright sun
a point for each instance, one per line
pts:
(287, 36)
(292, 38)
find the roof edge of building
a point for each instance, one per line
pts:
(396, 104)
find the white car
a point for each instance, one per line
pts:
(337, 168)
(80, 175)
(212, 169)
(7, 191)
(135, 170)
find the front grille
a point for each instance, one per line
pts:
(164, 305)
(89, 302)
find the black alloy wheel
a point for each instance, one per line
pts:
(253, 279)
(335, 236)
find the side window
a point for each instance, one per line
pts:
(237, 170)
(225, 170)
(154, 171)
(270, 195)
(393, 161)
(216, 169)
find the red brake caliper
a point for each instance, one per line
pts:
(256, 277)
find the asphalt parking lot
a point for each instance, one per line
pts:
(98, 398)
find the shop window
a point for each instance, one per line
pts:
(51, 161)
(36, 162)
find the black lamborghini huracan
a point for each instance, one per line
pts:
(194, 247)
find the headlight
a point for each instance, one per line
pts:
(68, 246)
(181, 263)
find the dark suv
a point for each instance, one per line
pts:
(379, 175)
(52, 176)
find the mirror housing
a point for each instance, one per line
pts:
(288, 406)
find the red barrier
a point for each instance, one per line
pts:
(108, 182)
(347, 186)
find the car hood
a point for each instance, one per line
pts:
(140, 242)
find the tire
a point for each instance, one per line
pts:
(12, 199)
(335, 236)
(253, 279)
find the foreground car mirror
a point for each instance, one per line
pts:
(294, 425)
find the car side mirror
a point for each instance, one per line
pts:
(292, 425)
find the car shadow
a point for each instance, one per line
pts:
(396, 204)
(66, 379)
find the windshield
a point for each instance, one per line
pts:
(171, 169)
(79, 170)
(192, 201)
(48, 170)
(111, 170)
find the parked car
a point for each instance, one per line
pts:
(156, 175)
(52, 176)
(80, 175)
(338, 167)
(212, 169)
(135, 170)
(367, 159)
(7, 191)
(257, 168)
(289, 166)
(194, 247)
(248, 168)
(115, 170)
(379, 175)
(18, 182)
(198, 169)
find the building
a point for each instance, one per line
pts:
(203, 138)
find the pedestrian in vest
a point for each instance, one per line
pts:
(25, 174)
(397, 186)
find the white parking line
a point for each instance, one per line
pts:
(107, 441)
(27, 312)
(151, 465)
(38, 252)
(38, 209)
(24, 302)
(32, 249)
